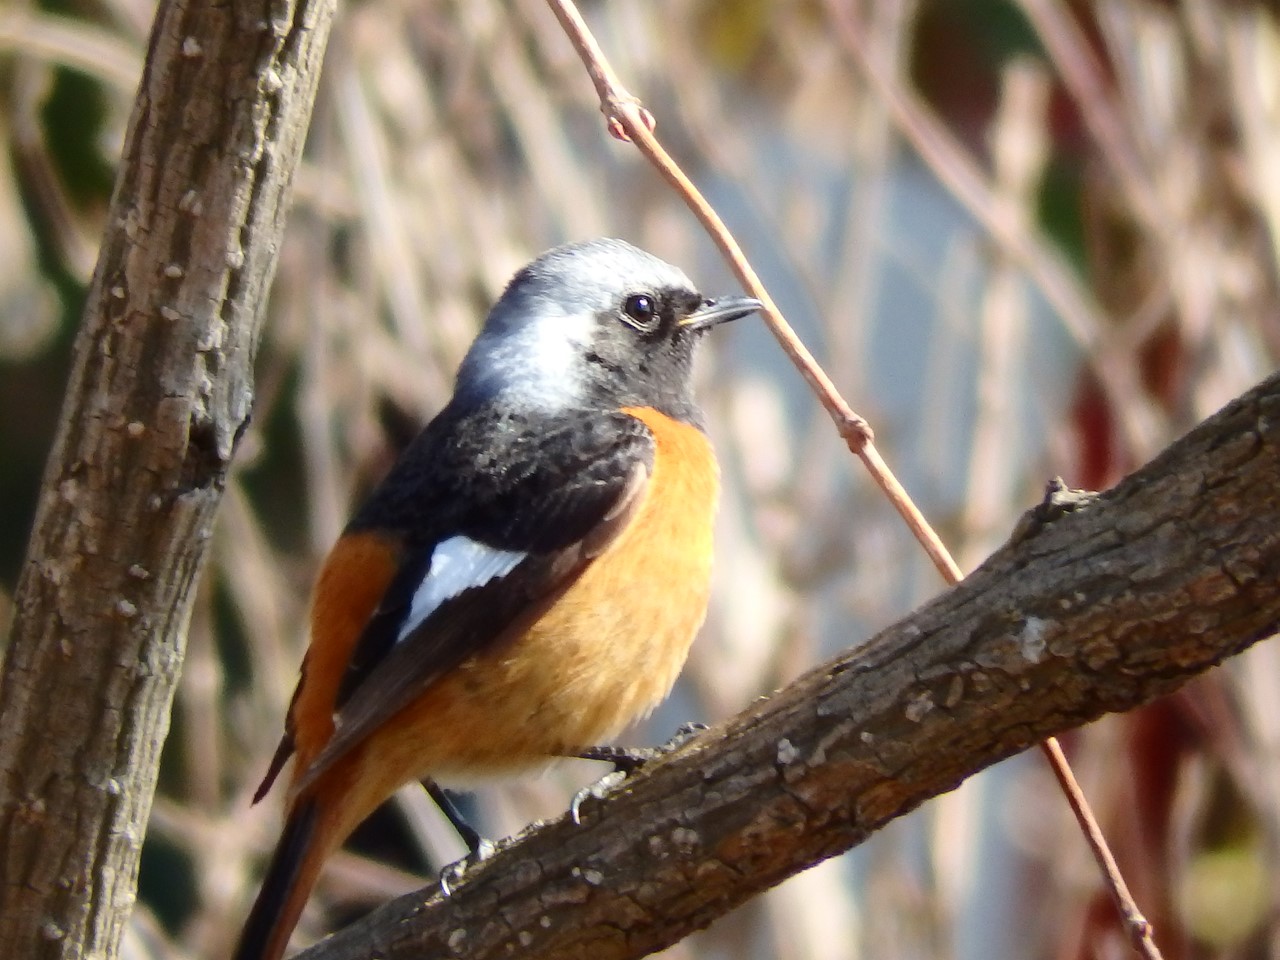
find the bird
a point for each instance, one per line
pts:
(529, 576)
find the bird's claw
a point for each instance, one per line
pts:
(626, 760)
(596, 791)
(684, 733)
(453, 874)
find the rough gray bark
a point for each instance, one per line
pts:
(159, 393)
(1095, 605)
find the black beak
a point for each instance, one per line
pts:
(713, 312)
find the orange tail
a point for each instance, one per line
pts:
(294, 867)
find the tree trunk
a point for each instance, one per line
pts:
(159, 394)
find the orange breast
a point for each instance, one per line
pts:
(605, 654)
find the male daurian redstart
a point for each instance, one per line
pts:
(528, 578)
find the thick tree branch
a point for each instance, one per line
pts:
(159, 394)
(1095, 604)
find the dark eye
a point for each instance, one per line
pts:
(641, 311)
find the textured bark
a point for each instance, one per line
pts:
(1096, 604)
(159, 393)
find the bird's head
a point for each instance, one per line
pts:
(599, 324)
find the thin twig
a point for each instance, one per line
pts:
(1139, 927)
(629, 120)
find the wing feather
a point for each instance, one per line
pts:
(393, 666)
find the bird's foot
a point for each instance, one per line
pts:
(630, 759)
(596, 791)
(684, 733)
(453, 874)
(626, 761)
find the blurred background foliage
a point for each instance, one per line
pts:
(1026, 237)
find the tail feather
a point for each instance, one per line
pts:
(290, 876)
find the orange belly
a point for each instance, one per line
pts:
(604, 655)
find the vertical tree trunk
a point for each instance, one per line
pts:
(160, 391)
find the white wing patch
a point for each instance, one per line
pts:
(457, 564)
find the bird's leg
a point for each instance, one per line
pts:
(479, 848)
(626, 761)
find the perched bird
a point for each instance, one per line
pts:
(529, 576)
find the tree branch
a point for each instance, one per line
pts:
(159, 394)
(1096, 604)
